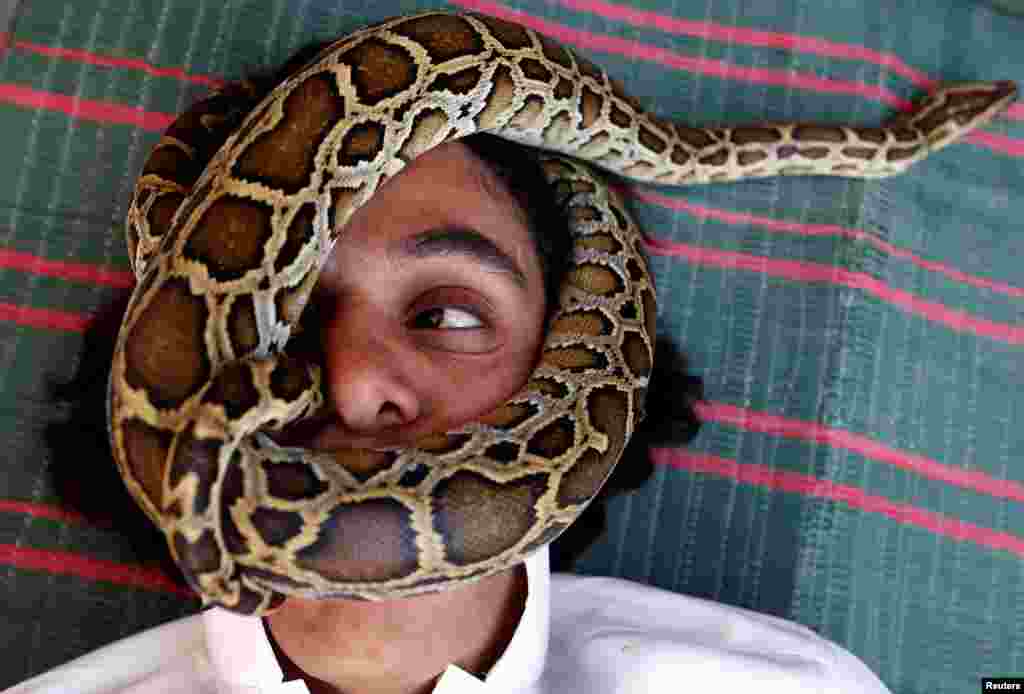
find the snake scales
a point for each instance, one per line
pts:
(227, 230)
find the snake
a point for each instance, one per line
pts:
(245, 196)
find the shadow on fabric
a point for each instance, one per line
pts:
(83, 471)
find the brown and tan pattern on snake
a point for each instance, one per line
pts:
(227, 241)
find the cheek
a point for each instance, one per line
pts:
(474, 392)
(477, 391)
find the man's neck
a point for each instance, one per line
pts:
(400, 646)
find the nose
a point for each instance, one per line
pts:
(367, 374)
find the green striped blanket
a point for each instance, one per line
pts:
(861, 465)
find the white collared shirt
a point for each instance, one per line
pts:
(576, 634)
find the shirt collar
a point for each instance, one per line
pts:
(241, 655)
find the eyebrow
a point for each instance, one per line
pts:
(455, 240)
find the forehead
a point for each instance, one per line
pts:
(448, 184)
(453, 164)
(447, 187)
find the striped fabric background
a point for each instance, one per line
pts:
(861, 465)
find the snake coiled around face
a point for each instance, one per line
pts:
(245, 196)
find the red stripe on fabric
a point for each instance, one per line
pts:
(27, 508)
(764, 39)
(44, 318)
(88, 109)
(67, 563)
(813, 272)
(761, 422)
(786, 226)
(718, 68)
(750, 37)
(82, 56)
(998, 143)
(806, 485)
(707, 30)
(75, 272)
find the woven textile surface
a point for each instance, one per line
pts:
(860, 469)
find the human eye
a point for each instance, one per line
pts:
(454, 319)
(446, 318)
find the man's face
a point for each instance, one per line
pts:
(431, 305)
